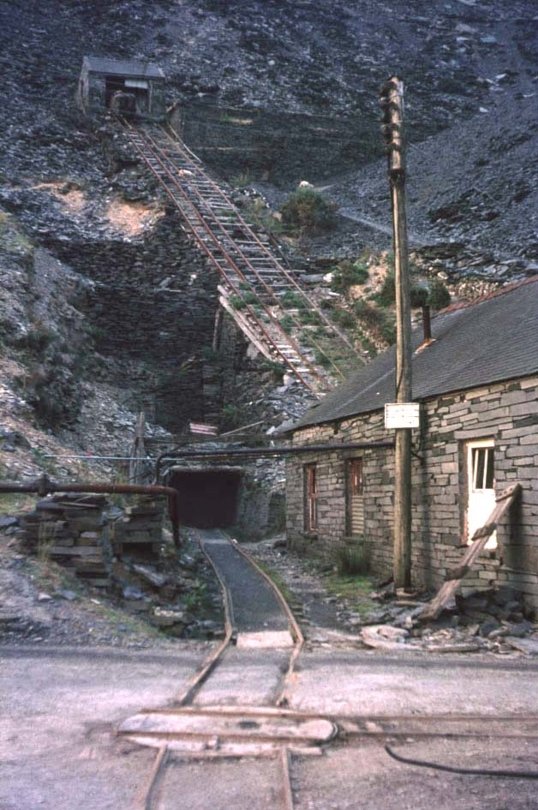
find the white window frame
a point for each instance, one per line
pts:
(471, 473)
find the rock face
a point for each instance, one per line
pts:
(273, 92)
(475, 197)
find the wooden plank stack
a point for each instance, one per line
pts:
(83, 533)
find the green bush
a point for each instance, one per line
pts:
(322, 359)
(419, 296)
(378, 320)
(343, 318)
(326, 303)
(352, 560)
(388, 332)
(286, 322)
(231, 417)
(241, 301)
(387, 294)
(368, 314)
(307, 210)
(291, 300)
(347, 274)
(439, 297)
(307, 316)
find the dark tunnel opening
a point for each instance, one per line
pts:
(208, 499)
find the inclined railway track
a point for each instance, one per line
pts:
(254, 281)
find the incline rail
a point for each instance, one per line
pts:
(248, 267)
(269, 253)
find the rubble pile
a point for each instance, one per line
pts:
(494, 620)
(73, 589)
(486, 621)
(176, 593)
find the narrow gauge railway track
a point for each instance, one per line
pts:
(193, 727)
(254, 280)
(201, 726)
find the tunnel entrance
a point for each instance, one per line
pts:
(207, 498)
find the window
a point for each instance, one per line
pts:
(480, 486)
(311, 498)
(354, 476)
(482, 468)
(354, 497)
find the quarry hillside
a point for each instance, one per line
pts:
(108, 309)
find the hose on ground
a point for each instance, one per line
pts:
(466, 771)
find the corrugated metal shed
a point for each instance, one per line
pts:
(123, 67)
(492, 340)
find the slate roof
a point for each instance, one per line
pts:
(493, 339)
(123, 67)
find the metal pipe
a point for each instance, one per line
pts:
(265, 452)
(426, 324)
(98, 458)
(45, 486)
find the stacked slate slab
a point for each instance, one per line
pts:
(139, 530)
(85, 534)
(73, 531)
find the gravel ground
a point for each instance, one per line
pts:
(353, 612)
(43, 603)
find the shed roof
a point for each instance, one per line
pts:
(123, 67)
(490, 340)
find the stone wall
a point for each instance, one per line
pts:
(282, 148)
(152, 307)
(260, 508)
(504, 412)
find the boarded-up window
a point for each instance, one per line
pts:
(311, 498)
(354, 496)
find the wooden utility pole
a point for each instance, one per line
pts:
(392, 103)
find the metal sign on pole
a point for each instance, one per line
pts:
(402, 415)
(392, 104)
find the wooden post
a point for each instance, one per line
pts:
(137, 471)
(392, 102)
(217, 328)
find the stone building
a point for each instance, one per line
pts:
(477, 385)
(125, 86)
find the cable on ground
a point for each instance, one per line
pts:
(466, 771)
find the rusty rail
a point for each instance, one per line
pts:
(45, 486)
(200, 200)
(236, 247)
(143, 144)
(246, 226)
